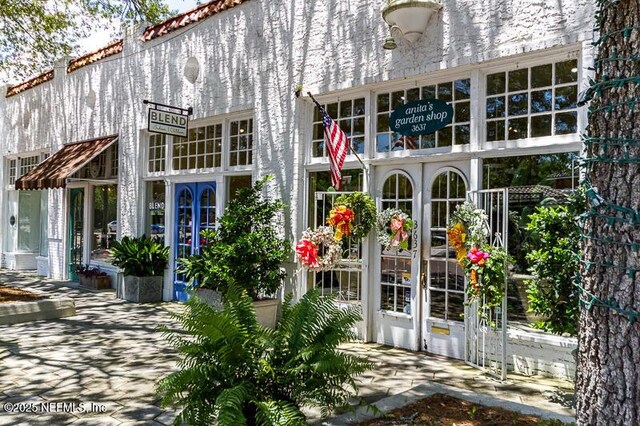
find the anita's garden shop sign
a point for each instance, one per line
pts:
(421, 117)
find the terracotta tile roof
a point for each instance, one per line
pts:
(54, 171)
(194, 15)
(35, 81)
(84, 60)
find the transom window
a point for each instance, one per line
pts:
(28, 163)
(532, 102)
(241, 139)
(202, 149)
(446, 278)
(395, 265)
(157, 153)
(22, 165)
(350, 116)
(457, 93)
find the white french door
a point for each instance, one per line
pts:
(442, 279)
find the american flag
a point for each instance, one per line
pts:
(337, 146)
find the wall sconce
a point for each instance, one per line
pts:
(409, 17)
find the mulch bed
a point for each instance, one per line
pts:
(12, 294)
(443, 410)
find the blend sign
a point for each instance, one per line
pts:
(421, 117)
(168, 123)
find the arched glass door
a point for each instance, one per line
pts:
(395, 272)
(195, 211)
(444, 321)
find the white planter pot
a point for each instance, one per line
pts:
(267, 312)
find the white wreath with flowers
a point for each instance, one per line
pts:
(393, 229)
(318, 250)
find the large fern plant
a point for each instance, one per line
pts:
(234, 372)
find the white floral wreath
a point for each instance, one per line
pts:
(312, 242)
(384, 234)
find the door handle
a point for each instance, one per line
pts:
(423, 279)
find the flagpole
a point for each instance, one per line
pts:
(349, 144)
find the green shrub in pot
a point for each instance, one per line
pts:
(142, 260)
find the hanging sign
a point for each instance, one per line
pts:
(167, 122)
(421, 117)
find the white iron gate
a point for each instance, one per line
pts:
(486, 335)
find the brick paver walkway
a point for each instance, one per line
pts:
(111, 354)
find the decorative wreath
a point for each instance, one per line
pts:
(394, 228)
(365, 213)
(318, 250)
(341, 218)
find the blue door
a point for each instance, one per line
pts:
(195, 211)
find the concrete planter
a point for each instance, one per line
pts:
(142, 289)
(212, 297)
(267, 312)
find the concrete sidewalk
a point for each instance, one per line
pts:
(111, 354)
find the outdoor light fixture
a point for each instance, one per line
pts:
(409, 17)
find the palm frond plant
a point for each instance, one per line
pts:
(234, 371)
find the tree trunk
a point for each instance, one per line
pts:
(608, 379)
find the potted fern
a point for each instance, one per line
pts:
(143, 261)
(246, 249)
(234, 372)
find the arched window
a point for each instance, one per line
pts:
(395, 271)
(446, 278)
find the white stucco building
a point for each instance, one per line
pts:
(511, 69)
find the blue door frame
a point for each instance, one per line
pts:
(195, 205)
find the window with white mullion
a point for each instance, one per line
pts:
(350, 115)
(532, 102)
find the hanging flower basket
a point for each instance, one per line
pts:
(393, 229)
(365, 212)
(318, 250)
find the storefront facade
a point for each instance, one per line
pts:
(510, 70)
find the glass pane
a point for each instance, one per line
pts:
(437, 303)
(318, 131)
(462, 89)
(541, 101)
(445, 92)
(405, 190)
(332, 110)
(383, 102)
(413, 94)
(456, 277)
(318, 147)
(382, 142)
(358, 106)
(404, 302)
(439, 187)
(495, 130)
(104, 225)
(455, 307)
(567, 72)
(495, 107)
(387, 297)
(566, 123)
(540, 126)
(518, 128)
(397, 99)
(463, 134)
(428, 141)
(496, 83)
(29, 221)
(429, 92)
(566, 97)
(439, 244)
(357, 144)
(444, 136)
(346, 109)
(438, 214)
(519, 80)
(541, 76)
(462, 112)
(518, 104)
(389, 190)
(457, 188)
